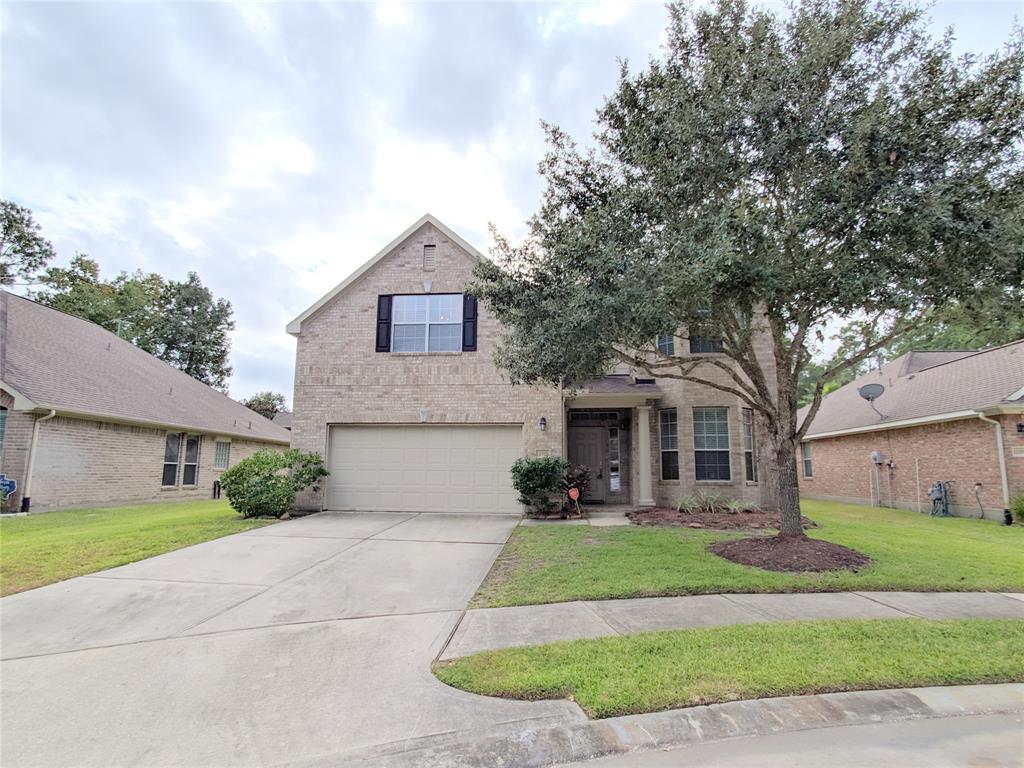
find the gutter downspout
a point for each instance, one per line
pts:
(26, 495)
(1002, 460)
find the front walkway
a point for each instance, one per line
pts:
(488, 629)
(294, 643)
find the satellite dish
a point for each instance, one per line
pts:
(871, 392)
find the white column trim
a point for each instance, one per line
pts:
(645, 478)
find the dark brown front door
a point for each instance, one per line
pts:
(588, 446)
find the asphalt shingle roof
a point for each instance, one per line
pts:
(72, 365)
(921, 384)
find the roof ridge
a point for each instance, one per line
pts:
(973, 353)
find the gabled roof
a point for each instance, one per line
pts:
(54, 361)
(927, 386)
(295, 326)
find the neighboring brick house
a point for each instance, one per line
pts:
(948, 415)
(396, 385)
(88, 419)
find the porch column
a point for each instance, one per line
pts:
(643, 446)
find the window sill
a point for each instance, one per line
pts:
(425, 354)
(714, 482)
(168, 488)
(751, 482)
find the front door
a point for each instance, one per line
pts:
(588, 446)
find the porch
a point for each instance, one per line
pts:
(608, 430)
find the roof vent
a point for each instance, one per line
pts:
(429, 258)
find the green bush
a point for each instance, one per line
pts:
(265, 484)
(1017, 507)
(536, 479)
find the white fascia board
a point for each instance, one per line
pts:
(21, 402)
(295, 326)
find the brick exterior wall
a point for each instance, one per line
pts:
(341, 379)
(684, 396)
(82, 463)
(963, 451)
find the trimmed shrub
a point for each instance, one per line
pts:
(1017, 507)
(537, 479)
(265, 484)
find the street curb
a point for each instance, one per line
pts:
(575, 742)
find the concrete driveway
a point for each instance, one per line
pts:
(294, 644)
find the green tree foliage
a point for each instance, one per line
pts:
(192, 333)
(266, 404)
(179, 322)
(23, 249)
(766, 176)
(265, 484)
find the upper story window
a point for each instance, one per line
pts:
(666, 344)
(701, 346)
(430, 323)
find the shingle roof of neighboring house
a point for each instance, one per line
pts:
(283, 419)
(927, 385)
(61, 362)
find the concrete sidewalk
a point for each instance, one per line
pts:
(488, 629)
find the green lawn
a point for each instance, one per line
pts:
(549, 564)
(664, 670)
(52, 546)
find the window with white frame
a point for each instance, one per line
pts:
(427, 323)
(808, 462)
(172, 450)
(711, 444)
(666, 344)
(190, 465)
(221, 454)
(668, 429)
(749, 451)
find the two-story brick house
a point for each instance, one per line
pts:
(395, 384)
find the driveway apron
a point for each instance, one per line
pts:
(293, 643)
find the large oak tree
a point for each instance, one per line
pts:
(767, 175)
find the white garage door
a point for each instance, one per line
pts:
(423, 468)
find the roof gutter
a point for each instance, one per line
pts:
(1002, 458)
(26, 495)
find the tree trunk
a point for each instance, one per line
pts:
(787, 487)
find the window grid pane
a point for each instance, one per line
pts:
(711, 444)
(666, 344)
(750, 465)
(427, 323)
(669, 429)
(699, 346)
(221, 455)
(445, 338)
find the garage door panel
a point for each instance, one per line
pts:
(452, 468)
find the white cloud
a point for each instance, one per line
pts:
(392, 13)
(253, 163)
(603, 14)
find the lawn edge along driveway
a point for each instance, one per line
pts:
(41, 549)
(656, 671)
(909, 552)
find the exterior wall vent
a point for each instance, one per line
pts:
(429, 258)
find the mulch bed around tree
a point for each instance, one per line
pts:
(722, 521)
(790, 553)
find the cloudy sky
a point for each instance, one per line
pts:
(274, 148)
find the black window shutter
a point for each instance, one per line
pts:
(468, 323)
(383, 323)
